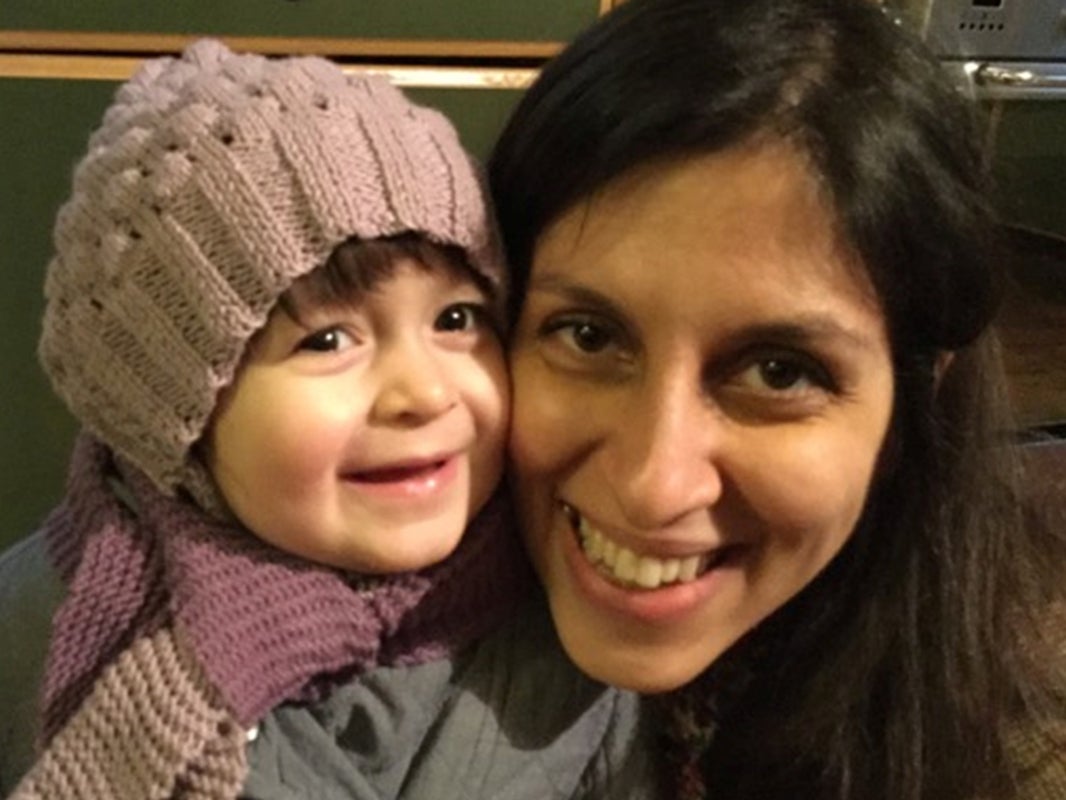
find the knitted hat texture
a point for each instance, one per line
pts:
(215, 181)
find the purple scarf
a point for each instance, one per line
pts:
(264, 627)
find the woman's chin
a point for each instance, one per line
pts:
(632, 659)
(637, 669)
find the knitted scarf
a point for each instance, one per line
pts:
(695, 714)
(692, 716)
(179, 632)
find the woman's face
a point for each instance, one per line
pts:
(702, 386)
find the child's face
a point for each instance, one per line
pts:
(366, 436)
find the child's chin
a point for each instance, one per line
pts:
(421, 555)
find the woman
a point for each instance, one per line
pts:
(759, 428)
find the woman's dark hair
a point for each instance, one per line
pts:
(903, 670)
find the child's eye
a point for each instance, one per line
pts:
(327, 340)
(460, 317)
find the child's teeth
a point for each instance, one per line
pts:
(627, 568)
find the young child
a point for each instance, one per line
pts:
(273, 308)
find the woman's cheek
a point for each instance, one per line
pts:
(814, 495)
(538, 429)
(541, 412)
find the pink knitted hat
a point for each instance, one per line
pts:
(213, 183)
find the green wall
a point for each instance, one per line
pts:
(545, 20)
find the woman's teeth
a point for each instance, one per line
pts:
(625, 567)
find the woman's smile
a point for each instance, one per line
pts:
(632, 570)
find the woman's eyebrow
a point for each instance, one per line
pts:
(576, 293)
(804, 330)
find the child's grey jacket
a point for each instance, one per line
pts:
(509, 718)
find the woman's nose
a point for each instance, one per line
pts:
(664, 456)
(414, 384)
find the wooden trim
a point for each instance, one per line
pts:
(450, 77)
(607, 5)
(119, 68)
(155, 43)
(88, 68)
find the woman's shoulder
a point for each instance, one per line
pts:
(30, 592)
(1038, 752)
(1038, 746)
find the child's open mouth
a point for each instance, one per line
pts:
(418, 478)
(411, 472)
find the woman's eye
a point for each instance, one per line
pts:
(460, 317)
(589, 337)
(327, 340)
(584, 335)
(587, 344)
(784, 374)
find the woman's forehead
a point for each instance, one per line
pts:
(743, 210)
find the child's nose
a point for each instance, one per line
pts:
(414, 386)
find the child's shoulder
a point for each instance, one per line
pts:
(30, 592)
(510, 716)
